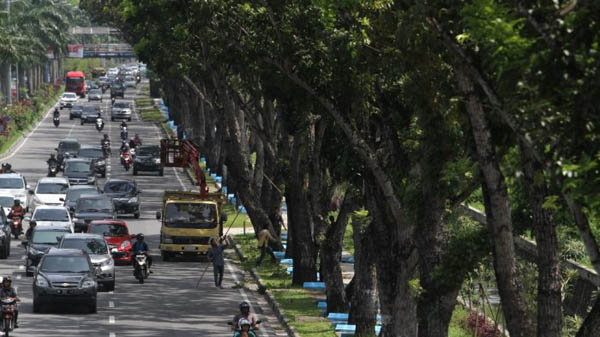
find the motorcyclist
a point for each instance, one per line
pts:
(137, 140)
(245, 329)
(56, 113)
(29, 231)
(16, 209)
(7, 168)
(123, 125)
(105, 140)
(132, 143)
(244, 314)
(8, 291)
(140, 246)
(52, 160)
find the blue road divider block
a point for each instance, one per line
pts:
(213, 175)
(284, 236)
(284, 207)
(224, 189)
(314, 285)
(348, 259)
(219, 179)
(203, 160)
(287, 261)
(290, 270)
(279, 254)
(230, 196)
(349, 329)
(284, 245)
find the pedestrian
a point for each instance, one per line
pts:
(215, 254)
(264, 238)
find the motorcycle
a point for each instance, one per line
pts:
(248, 333)
(16, 223)
(140, 266)
(99, 124)
(126, 160)
(56, 121)
(106, 148)
(7, 323)
(124, 133)
(138, 79)
(52, 169)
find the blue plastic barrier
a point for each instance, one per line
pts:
(224, 189)
(279, 254)
(203, 160)
(314, 285)
(287, 261)
(284, 236)
(348, 259)
(349, 329)
(219, 179)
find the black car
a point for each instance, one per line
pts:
(42, 239)
(68, 147)
(79, 171)
(95, 153)
(65, 276)
(125, 196)
(5, 232)
(92, 207)
(76, 111)
(117, 89)
(90, 114)
(76, 191)
(147, 158)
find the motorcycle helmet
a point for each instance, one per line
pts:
(17, 202)
(140, 236)
(244, 322)
(244, 305)
(7, 279)
(105, 136)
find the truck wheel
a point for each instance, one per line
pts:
(166, 256)
(161, 172)
(110, 286)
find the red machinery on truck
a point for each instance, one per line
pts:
(75, 82)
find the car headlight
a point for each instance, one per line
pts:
(156, 160)
(108, 263)
(88, 283)
(101, 162)
(133, 200)
(33, 251)
(125, 244)
(91, 178)
(167, 238)
(41, 282)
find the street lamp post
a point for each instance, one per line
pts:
(8, 77)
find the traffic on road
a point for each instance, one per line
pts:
(100, 237)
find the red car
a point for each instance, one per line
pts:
(117, 236)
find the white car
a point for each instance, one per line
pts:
(68, 99)
(55, 216)
(15, 185)
(50, 191)
(130, 81)
(6, 202)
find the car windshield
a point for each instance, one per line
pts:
(12, 183)
(153, 151)
(69, 95)
(107, 229)
(118, 187)
(121, 105)
(94, 205)
(65, 264)
(52, 188)
(41, 214)
(95, 92)
(191, 215)
(47, 237)
(68, 146)
(73, 195)
(77, 166)
(90, 246)
(7, 201)
(74, 80)
(91, 153)
(77, 108)
(90, 110)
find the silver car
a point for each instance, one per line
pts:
(95, 95)
(97, 248)
(121, 110)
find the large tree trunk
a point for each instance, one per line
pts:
(331, 255)
(591, 324)
(299, 216)
(363, 311)
(497, 209)
(549, 300)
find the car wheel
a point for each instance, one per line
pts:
(93, 307)
(70, 117)
(136, 215)
(166, 256)
(110, 286)
(37, 306)
(82, 122)
(135, 171)
(129, 119)
(4, 253)
(27, 272)
(8, 249)
(161, 172)
(112, 119)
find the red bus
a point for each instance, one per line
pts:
(76, 83)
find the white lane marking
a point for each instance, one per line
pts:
(31, 133)
(23, 257)
(21, 267)
(19, 277)
(111, 319)
(111, 304)
(112, 334)
(71, 129)
(263, 332)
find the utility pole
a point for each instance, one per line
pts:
(8, 84)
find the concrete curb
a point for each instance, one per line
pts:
(268, 295)
(28, 132)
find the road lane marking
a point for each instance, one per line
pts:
(111, 304)
(23, 257)
(111, 319)
(112, 334)
(21, 267)
(19, 277)
(244, 296)
(31, 133)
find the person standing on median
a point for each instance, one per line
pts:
(215, 254)
(264, 238)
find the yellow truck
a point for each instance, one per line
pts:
(188, 222)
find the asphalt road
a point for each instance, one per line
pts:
(168, 304)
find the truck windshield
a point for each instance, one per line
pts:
(190, 215)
